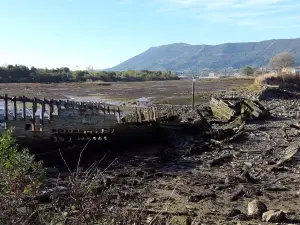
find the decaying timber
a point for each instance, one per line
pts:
(228, 109)
(223, 109)
(67, 120)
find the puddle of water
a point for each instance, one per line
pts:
(93, 99)
(144, 99)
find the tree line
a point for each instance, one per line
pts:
(277, 63)
(21, 73)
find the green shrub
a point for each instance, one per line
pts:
(19, 172)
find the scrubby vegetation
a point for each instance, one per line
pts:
(19, 73)
(29, 194)
(282, 80)
(20, 178)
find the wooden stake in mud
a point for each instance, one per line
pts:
(24, 108)
(5, 107)
(34, 108)
(42, 114)
(193, 92)
(15, 107)
(58, 105)
(51, 109)
(119, 115)
(154, 113)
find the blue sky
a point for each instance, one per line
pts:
(104, 33)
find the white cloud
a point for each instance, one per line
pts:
(251, 13)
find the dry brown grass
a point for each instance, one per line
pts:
(261, 80)
(282, 80)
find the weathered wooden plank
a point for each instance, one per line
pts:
(34, 108)
(42, 114)
(154, 113)
(58, 105)
(51, 109)
(24, 108)
(140, 116)
(5, 107)
(15, 107)
(221, 110)
(255, 109)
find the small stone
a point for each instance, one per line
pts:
(248, 164)
(149, 219)
(233, 212)
(273, 216)
(107, 181)
(201, 195)
(256, 208)
(151, 200)
(22, 210)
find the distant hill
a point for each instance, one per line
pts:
(182, 57)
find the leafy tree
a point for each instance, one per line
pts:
(20, 73)
(282, 60)
(248, 71)
(79, 75)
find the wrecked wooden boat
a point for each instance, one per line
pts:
(34, 120)
(228, 109)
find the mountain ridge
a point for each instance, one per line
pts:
(179, 57)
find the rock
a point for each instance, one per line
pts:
(151, 200)
(256, 208)
(149, 219)
(22, 210)
(273, 216)
(241, 216)
(107, 181)
(233, 213)
(201, 195)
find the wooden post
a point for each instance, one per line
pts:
(154, 113)
(34, 106)
(6, 107)
(140, 115)
(136, 115)
(42, 114)
(119, 115)
(51, 109)
(67, 104)
(150, 113)
(15, 108)
(58, 105)
(193, 93)
(24, 108)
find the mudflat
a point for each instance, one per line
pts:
(122, 91)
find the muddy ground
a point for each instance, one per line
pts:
(121, 92)
(159, 181)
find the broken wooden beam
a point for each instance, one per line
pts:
(254, 109)
(221, 109)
